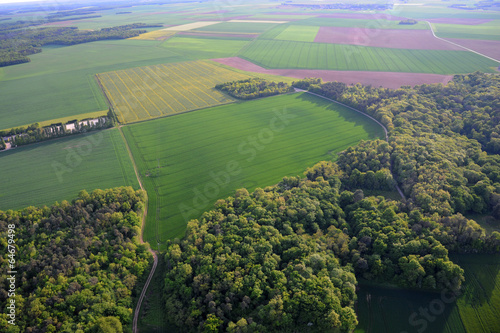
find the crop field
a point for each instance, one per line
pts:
(189, 161)
(479, 305)
(360, 23)
(161, 34)
(301, 55)
(40, 174)
(382, 309)
(204, 47)
(59, 82)
(299, 33)
(149, 92)
(488, 31)
(475, 309)
(238, 27)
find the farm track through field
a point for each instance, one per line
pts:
(465, 48)
(155, 255)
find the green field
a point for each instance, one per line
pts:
(299, 33)
(238, 27)
(301, 55)
(40, 174)
(208, 48)
(180, 157)
(360, 23)
(59, 82)
(475, 309)
(488, 31)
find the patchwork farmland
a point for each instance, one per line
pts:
(179, 156)
(150, 92)
(301, 55)
(43, 173)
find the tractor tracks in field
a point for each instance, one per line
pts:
(154, 253)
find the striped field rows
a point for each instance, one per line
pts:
(143, 93)
(303, 55)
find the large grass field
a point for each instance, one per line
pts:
(208, 48)
(154, 91)
(301, 55)
(40, 174)
(59, 82)
(474, 310)
(359, 23)
(488, 31)
(189, 161)
(304, 33)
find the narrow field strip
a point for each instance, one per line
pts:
(143, 93)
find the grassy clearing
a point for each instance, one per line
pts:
(488, 31)
(57, 170)
(479, 305)
(182, 159)
(205, 47)
(299, 33)
(360, 23)
(381, 309)
(238, 27)
(301, 55)
(150, 92)
(59, 82)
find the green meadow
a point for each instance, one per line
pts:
(299, 33)
(360, 23)
(59, 82)
(40, 174)
(488, 31)
(302, 55)
(189, 161)
(474, 309)
(197, 48)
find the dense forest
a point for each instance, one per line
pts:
(254, 88)
(17, 43)
(282, 259)
(78, 264)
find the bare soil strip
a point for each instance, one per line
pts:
(384, 79)
(491, 48)
(398, 39)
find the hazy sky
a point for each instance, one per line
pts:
(17, 1)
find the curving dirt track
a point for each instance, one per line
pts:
(384, 79)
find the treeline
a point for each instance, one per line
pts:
(439, 138)
(79, 265)
(16, 44)
(281, 259)
(253, 88)
(21, 136)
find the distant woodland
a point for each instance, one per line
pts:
(78, 264)
(17, 42)
(284, 258)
